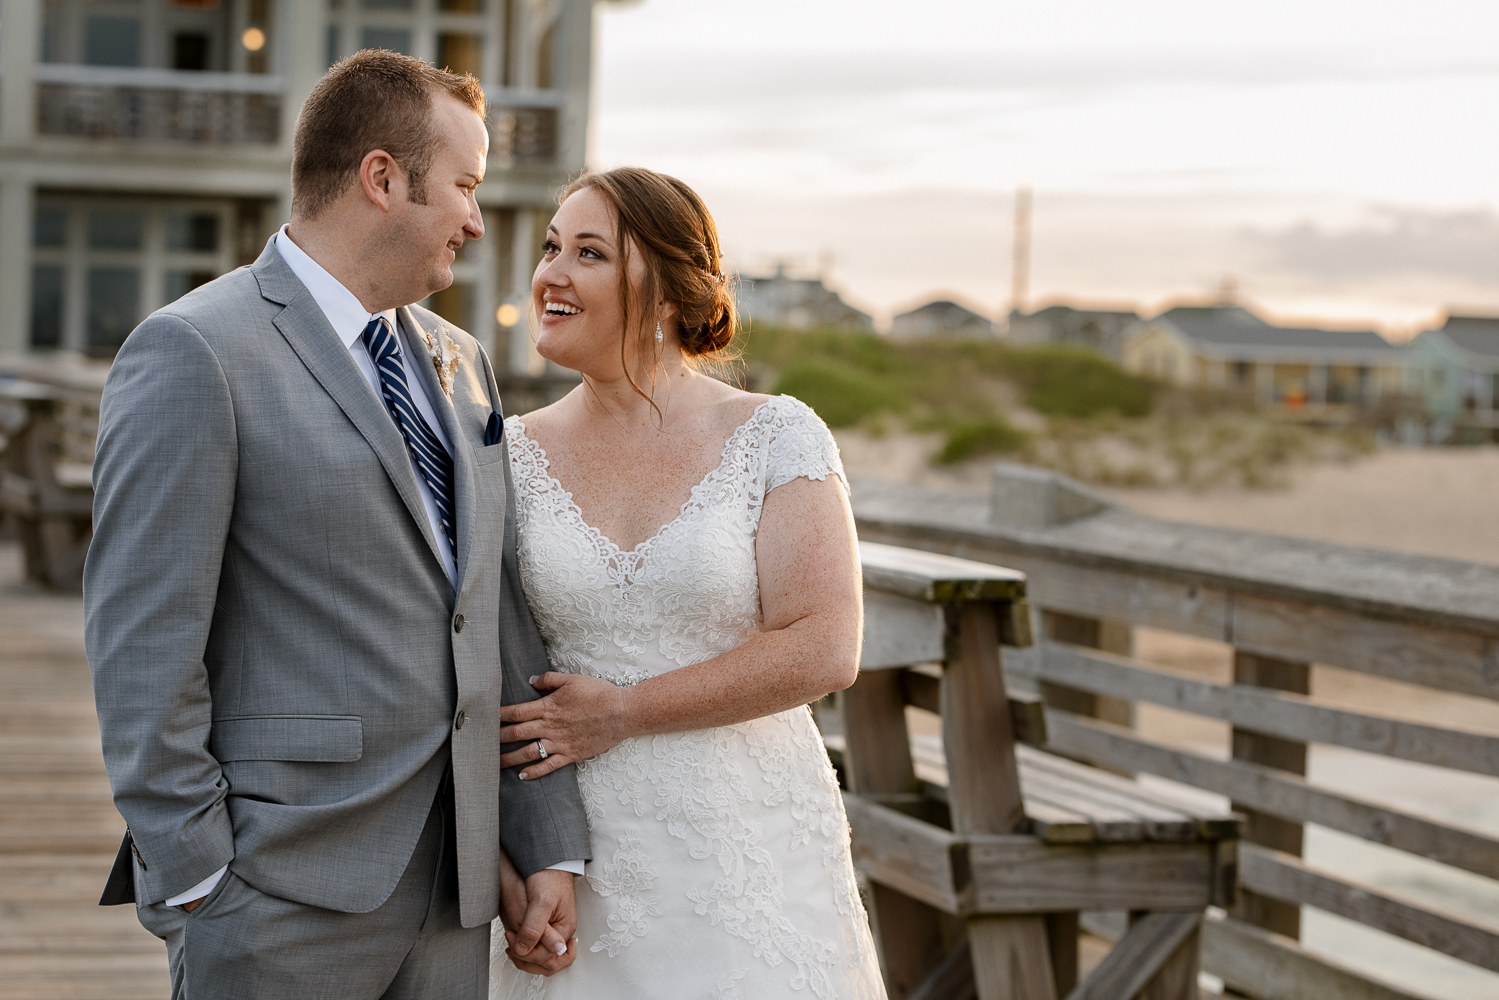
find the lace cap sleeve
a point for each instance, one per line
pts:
(799, 445)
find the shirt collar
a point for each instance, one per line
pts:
(345, 313)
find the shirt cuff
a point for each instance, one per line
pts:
(571, 867)
(204, 887)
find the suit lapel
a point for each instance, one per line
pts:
(463, 465)
(308, 332)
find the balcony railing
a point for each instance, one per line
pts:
(523, 127)
(157, 105)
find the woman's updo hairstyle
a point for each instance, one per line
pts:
(684, 260)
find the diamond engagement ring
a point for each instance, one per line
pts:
(541, 751)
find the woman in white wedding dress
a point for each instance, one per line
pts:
(688, 552)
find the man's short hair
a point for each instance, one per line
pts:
(374, 99)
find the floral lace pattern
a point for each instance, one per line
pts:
(733, 840)
(630, 877)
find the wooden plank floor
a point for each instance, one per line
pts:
(58, 829)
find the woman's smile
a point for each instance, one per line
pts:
(556, 312)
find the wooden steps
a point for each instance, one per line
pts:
(58, 827)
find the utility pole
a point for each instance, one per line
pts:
(1020, 277)
(825, 260)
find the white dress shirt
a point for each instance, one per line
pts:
(348, 317)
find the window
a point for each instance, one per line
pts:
(545, 51)
(394, 39)
(178, 283)
(112, 41)
(100, 266)
(50, 226)
(46, 305)
(452, 304)
(446, 33)
(193, 231)
(190, 50)
(195, 35)
(114, 301)
(460, 52)
(115, 229)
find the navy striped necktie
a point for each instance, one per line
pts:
(431, 458)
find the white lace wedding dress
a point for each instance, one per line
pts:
(721, 865)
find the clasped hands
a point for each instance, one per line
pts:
(540, 916)
(580, 718)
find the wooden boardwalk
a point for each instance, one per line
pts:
(58, 828)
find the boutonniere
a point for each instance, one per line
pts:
(444, 355)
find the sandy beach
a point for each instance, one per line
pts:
(1438, 502)
(1433, 501)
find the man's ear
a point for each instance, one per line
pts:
(379, 173)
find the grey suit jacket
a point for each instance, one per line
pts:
(278, 668)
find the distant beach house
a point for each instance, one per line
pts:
(1100, 329)
(1456, 369)
(780, 300)
(1300, 368)
(941, 318)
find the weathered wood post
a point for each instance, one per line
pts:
(878, 766)
(1035, 499)
(1285, 755)
(1011, 954)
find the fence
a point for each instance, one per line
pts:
(1282, 604)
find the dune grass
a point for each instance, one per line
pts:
(956, 387)
(1063, 407)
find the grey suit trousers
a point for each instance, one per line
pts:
(249, 945)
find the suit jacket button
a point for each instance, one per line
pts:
(458, 722)
(458, 623)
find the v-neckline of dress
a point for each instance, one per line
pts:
(609, 545)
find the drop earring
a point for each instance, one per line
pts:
(659, 336)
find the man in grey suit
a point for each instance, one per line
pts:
(302, 602)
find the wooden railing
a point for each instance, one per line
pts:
(1096, 570)
(49, 417)
(981, 852)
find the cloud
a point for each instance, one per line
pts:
(645, 78)
(1393, 243)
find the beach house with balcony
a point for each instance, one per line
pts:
(1314, 371)
(145, 147)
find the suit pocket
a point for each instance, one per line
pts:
(317, 738)
(491, 453)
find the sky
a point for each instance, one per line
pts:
(1334, 161)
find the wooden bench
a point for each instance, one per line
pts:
(981, 851)
(49, 418)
